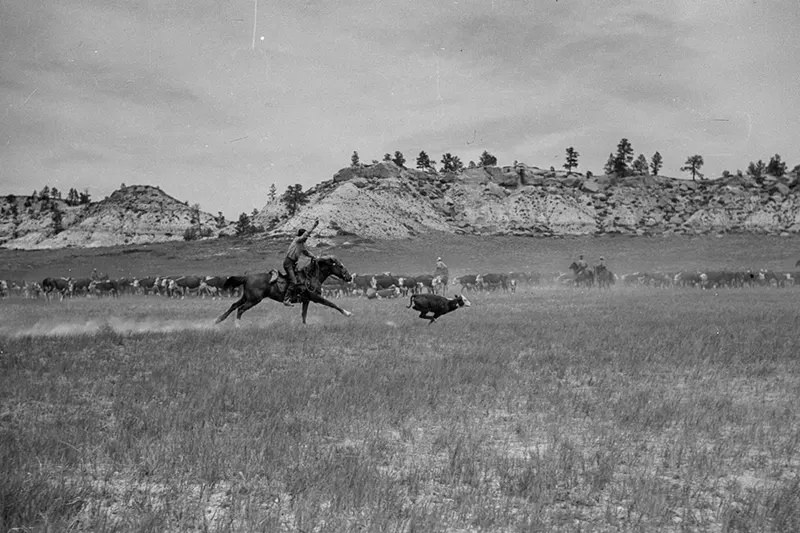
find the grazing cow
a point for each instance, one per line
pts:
(184, 285)
(217, 284)
(146, 286)
(391, 292)
(468, 282)
(107, 287)
(438, 305)
(61, 285)
(688, 279)
(80, 286)
(361, 282)
(425, 281)
(492, 282)
(384, 281)
(407, 284)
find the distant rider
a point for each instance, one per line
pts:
(296, 249)
(601, 266)
(581, 264)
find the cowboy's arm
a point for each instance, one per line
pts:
(306, 236)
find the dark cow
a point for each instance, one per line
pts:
(384, 281)
(407, 284)
(80, 286)
(492, 282)
(106, 287)
(63, 286)
(438, 305)
(184, 285)
(217, 284)
(468, 282)
(146, 285)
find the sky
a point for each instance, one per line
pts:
(216, 100)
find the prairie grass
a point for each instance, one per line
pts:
(549, 409)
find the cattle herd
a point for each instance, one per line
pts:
(387, 285)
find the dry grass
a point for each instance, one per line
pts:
(547, 410)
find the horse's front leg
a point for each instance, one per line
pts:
(305, 310)
(316, 298)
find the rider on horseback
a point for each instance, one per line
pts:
(297, 248)
(601, 266)
(581, 264)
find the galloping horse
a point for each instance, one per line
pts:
(582, 277)
(273, 285)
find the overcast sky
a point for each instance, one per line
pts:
(184, 94)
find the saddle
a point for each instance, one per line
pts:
(275, 275)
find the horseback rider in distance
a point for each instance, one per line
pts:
(296, 249)
(581, 264)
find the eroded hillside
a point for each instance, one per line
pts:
(387, 202)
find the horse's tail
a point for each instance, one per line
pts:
(234, 281)
(411, 301)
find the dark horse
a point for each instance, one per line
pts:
(273, 285)
(582, 277)
(604, 277)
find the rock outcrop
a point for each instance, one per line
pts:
(387, 202)
(135, 214)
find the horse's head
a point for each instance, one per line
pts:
(333, 267)
(573, 266)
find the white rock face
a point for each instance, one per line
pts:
(137, 214)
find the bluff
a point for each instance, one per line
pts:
(384, 201)
(136, 214)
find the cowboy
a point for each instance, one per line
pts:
(601, 265)
(442, 273)
(581, 264)
(441, 268)
(296, 249)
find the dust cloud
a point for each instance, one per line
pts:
(111, 325)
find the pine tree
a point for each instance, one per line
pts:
(623, 158)
(572, 159)
(776, 167)
(398, 159)
(487, 160)
(423, 161)
(354, 160)
(451, 163)
(244, 226)
(609, 166)
(293, 198)
(273, 192)
(656, 162)
(693, 164)
(640, 165)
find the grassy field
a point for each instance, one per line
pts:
(550, 409)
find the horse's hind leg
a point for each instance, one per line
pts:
(244, 307)
(230, 310)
